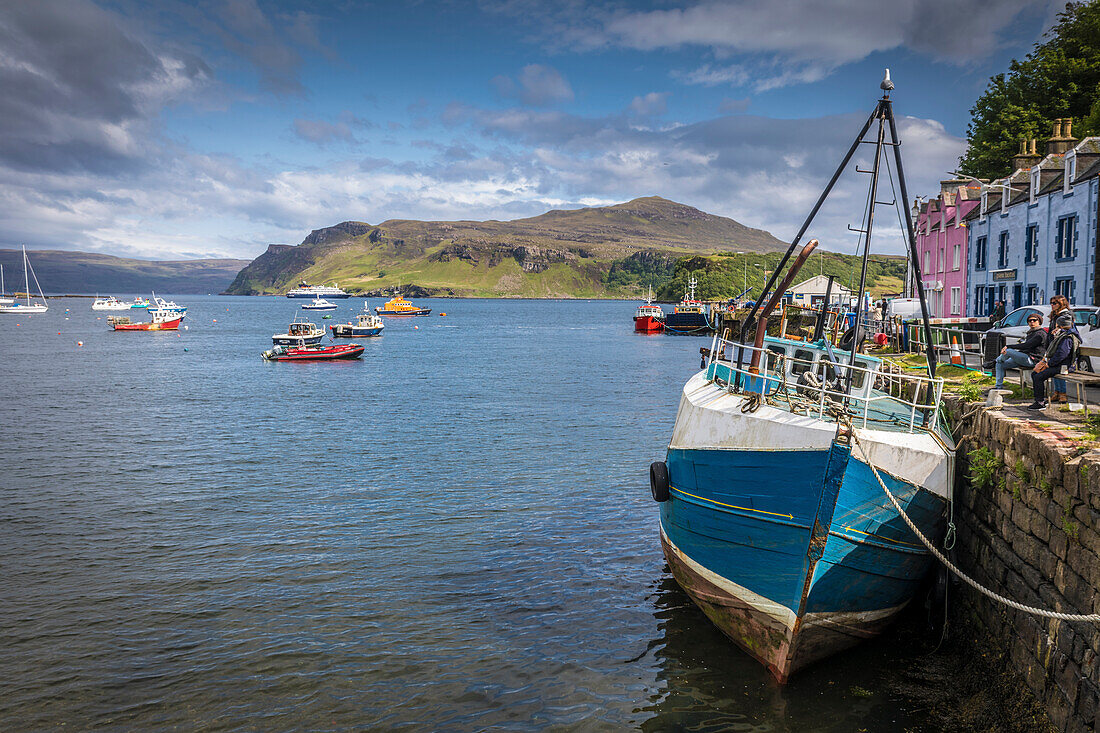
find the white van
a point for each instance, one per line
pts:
(905, 307)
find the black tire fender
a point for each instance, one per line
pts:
(658, 481)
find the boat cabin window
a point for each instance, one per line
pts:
(804, 360)
(858, 377)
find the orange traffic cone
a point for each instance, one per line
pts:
(956, 353)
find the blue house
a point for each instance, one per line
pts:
(1035, 233)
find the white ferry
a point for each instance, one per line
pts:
(305, 290)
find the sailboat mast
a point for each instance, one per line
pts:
(26, 280)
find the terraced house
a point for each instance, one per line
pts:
(941, 245)
(1034, 233)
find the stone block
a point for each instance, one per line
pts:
(1003, 501)
(1059, 542)
(1088, 705)
(1021, 516)
(1058, 710)
(1047, 563)
(1040, 527)
(1068, 679)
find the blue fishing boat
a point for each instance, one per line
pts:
(366, 324)
(775, 516)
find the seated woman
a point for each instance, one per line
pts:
(1061, 351)
(1024, 354)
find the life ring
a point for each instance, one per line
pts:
(658, 481)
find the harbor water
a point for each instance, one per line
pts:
(452, 533)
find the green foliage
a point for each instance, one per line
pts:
(726, 275)
(973, 384)
(1020, 469)
(984, 465)
(639, 271)
(1069, 527)
(1059, 78)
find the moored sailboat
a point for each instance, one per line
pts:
(773, 519)
(30, 306)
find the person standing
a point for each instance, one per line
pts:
(998, 311)
(1025, 354)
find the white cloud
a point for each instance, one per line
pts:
(650, 105)
(536, 85)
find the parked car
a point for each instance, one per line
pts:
(1014, 325)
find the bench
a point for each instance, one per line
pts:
(1083, 380)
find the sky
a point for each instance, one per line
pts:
(178, 130)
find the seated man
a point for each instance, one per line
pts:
(1024, 354)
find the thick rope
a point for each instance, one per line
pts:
(1093, 617)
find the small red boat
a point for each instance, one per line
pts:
(314, 352)
(649, 318)
(161, 321)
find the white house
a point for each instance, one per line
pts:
(812, 292)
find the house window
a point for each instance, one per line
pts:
(1070, 172)
(927, 256)
(1032, 294)
(1066, 238)
(979, 254)
(955, 257)
(1031, 245)
(984, 205)
(1002, 250)
(1034, 188)
(979, 298)
(1065, 286)
(955, 301)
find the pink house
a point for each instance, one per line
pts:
(941, 246)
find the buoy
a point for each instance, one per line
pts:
(79, 343)
(58, 333)
(442, 314)
(215, 320)
(186, 328)
(416, 328)
(185, 348)
(66, 318)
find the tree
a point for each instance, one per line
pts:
(1059, 78)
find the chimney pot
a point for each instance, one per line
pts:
(1032, 146)
(1067, 127)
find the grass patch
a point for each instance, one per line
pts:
(1069, 527)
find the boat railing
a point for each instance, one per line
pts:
(879, 394)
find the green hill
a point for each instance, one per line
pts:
(567, 253)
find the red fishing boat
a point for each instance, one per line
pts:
(314, 352)
(162, 320)
(649, 318)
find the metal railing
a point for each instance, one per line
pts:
(874, 392)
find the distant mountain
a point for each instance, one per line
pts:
(562, 253)
(61, 272)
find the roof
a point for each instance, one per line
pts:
(1092, 170)
(1088, 146)
(816, 285)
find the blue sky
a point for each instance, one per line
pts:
(175, 130)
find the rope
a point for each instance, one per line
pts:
(1094, 617)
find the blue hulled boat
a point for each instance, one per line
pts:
(773, 518)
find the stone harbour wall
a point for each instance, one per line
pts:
(1027, 513)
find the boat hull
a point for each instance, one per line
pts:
(318, 307)
(415, 312)
(288, 340)
(648, 324)
(172, 325)
(692, 323)
(784, 538)
(331, 353)
(326, 296)
(343, 330)
(28, 309)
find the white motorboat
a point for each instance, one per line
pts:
(29, 306)
(319, 304)
(168, 306)
(300, 331)
(110, 303)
